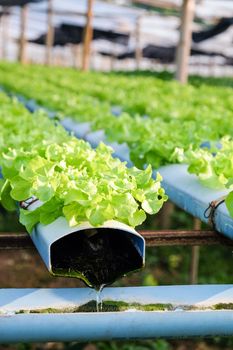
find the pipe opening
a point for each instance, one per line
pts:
(97, 256)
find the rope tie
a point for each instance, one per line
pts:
(26, 204)
(209, 213)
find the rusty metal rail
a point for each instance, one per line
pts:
(153, 238)
(184, 237)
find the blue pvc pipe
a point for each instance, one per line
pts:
(114, 326)
(188, 193)
(179, 297)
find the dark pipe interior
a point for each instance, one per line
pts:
(100, 255)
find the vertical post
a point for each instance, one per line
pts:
(4, 32)
(113, 58)
(112, 62)
(166, 215)
(138, 51)
(50, 33)
(184, 45)
(88, 34)
(76, 50)
(22, 39)
(195, 256)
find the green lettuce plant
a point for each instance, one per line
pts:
(157, 116)
(214, 167)
(39, 158)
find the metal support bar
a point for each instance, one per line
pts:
(195, 256)
(10, 240)
(153, 238)
(184, 238)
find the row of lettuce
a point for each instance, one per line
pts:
(161, 121)
(39, 158)
(159, 118)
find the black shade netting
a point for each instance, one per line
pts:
(59, 39)
(217, 29)
(10, 3)
(163, 54)
(77, 31)
(73, 34)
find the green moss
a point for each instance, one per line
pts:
(107, 306)
(117, 306)
(156, 307)
(42, 311)
(223, 306)
(88, 307)
(121, 306)
(72, 274)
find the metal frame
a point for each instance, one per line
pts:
(12, 240)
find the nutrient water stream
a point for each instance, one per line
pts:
(99, 301)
